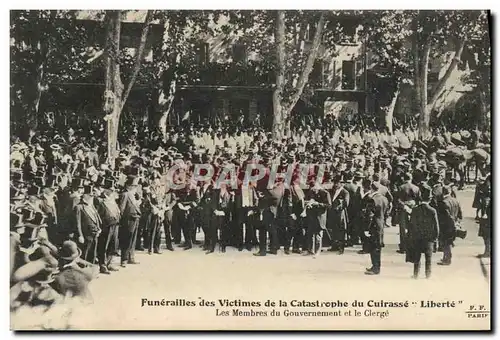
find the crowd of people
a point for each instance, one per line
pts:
(74, 215)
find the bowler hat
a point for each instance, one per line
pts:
(69, 251)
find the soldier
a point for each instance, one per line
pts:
(130, 213)
(449, 215)
(423, 231)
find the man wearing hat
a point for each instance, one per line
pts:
(88, 225)
(317, 202)
(449, 216)
(109, 213)
(75, 274)
(423, 231)
(293, 205)
(337, 214)
(48, 205)
(353, 208)
(408, 196)
(378, 210)
(130, 213)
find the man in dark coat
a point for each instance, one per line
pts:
(245, 212)
(352, 208)
(423, 231)
(378, 211)
(449, 215)
(318, 201)
(269, 204)
(292, 207)
(337, 215)
(408, 196)
(110, 216)
(88, 225)
(130, 212)
(222, 202)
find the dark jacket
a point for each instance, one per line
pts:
(317, 215)
(424, 225)
(449, 215)
(87, 220)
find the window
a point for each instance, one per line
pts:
(433, 77)
(310, 32)
(328, 71)
(360, 79)
(349, 28)
(239, 53)
(202, 54)
(348, 75)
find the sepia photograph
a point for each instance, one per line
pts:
(249, 170)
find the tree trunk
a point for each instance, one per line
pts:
(115, 94)
(306, 71)
(442, 82)
(424, 118)
(389, 110)
(114, 86)
(278, 118)
(139, 55)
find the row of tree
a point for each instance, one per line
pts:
(50, 47)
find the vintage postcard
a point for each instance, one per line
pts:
(250, 169)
